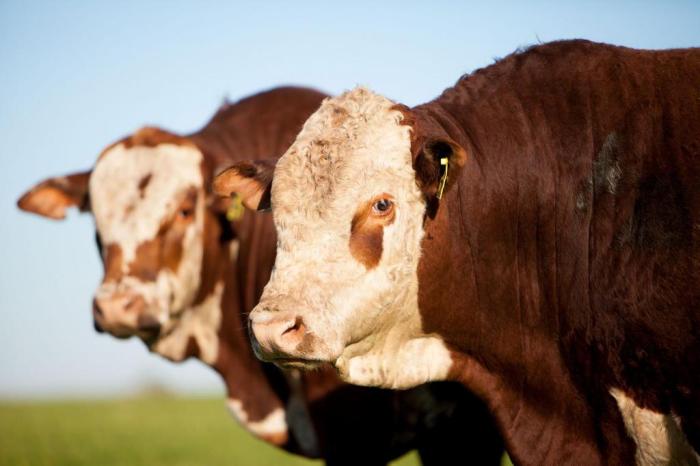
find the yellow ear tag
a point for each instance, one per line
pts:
(443, 179)
(235, 208)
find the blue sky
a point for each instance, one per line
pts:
(75, 76)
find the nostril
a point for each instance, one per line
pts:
(130, 303)
(295, 327)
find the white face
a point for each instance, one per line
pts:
(148, 204)
(349, 218)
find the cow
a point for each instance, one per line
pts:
(182, 269)
(533, 233)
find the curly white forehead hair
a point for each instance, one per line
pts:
(358, 124)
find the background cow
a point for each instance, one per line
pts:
(532, 232)
(182, 277)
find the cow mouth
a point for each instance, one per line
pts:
(117, 332)
(298, 363)
(149, 337)
(285, 361)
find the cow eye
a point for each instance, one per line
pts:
(186, 212)
(382, 206)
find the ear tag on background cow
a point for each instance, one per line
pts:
(443, 179)
(235, 208)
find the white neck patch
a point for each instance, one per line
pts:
(201, 323)
(659, 438)
(272, 428)
(127, 215)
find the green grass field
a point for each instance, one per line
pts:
(135, 432)
(148, 431)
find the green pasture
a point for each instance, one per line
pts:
(135, 432)
(148, 431)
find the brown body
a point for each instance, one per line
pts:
(569, 246)
(324, 417)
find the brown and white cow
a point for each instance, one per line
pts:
(534, 233)
(182, 277)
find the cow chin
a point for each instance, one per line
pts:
(298, 358)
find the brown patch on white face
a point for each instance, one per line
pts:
(112, 257)
(367, 230)
(143, 184)
(165, 251)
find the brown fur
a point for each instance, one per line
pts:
(165, 250)
(192, 349)
(367, 234)
(52, 197)
(563, 261)
(148, 260)
(112, 259)
(250, 179)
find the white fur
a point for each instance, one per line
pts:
(659, 438)
(200, 322)
(273, 425)
(351, 150)
(414, 362)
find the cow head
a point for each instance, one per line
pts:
(146, 194)
(349, 199)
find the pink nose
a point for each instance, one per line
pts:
(276, 335)
(122, 314)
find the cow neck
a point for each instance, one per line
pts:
(489, 290)
(235, 258)
(245, 278)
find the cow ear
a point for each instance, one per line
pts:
(53, 196)
(251, 180)
(438, 164)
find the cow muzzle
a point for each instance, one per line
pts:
(124, 314)
(279, 337)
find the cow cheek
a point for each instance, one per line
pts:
(367, 237)
(366, 245)
(113, 260)
(184, 251)
(173, 249)
(146, 263)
